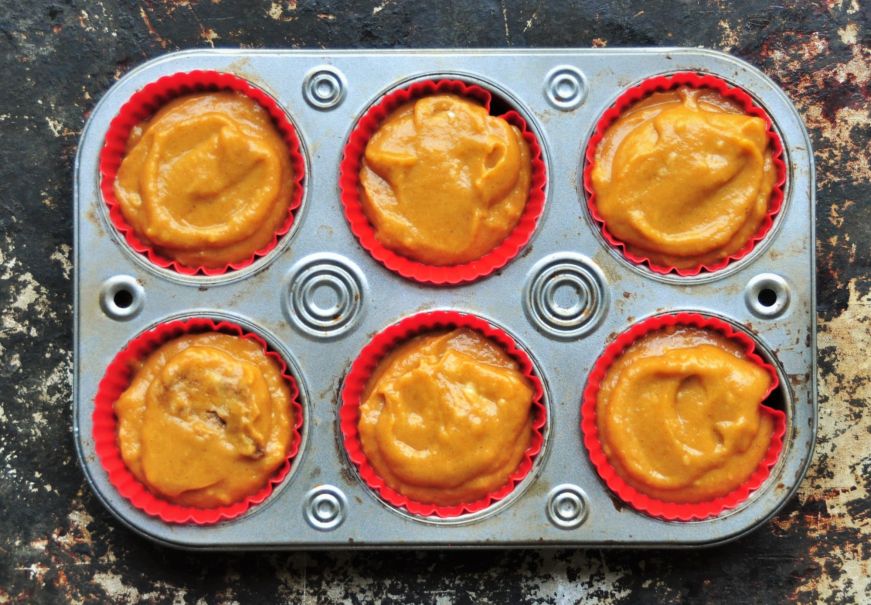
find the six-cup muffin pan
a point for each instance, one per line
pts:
(318, 298)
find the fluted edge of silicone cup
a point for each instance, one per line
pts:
(369, 358)
(142, 105)
(349, 184)
(115, 381)
(676, 511)
(662, 84)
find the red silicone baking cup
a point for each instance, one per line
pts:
(144, 104)
(662, 84)
(673, 511)
(367, 361)
(105, 431)
(349, 183)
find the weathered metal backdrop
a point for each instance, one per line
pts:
(57, 543)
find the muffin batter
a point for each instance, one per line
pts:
(684, 177)
(445, 418)
(206, 420)
(207, 180)
(679, 415)
(443, 182)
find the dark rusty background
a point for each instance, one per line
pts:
(57, 542)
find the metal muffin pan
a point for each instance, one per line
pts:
(319, 297)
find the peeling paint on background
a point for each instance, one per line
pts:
(58, 544)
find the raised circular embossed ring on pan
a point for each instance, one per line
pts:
(565, 295)
(567, 506)
(324, 295)
(565, 87)
(325, 507)
(324, 87)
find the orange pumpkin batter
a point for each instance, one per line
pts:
(684, 177)
(445, 418)
(443, 182)
(679, 415)
(206, 420)
(207, 180)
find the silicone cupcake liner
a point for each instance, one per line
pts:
(666, 83)
(365, 364)
(349, 172)
(105, 426)
(148, 100)
(673, 511)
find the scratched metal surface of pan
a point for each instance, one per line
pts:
(288, 296)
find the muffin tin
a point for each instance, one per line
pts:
(319, 297)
